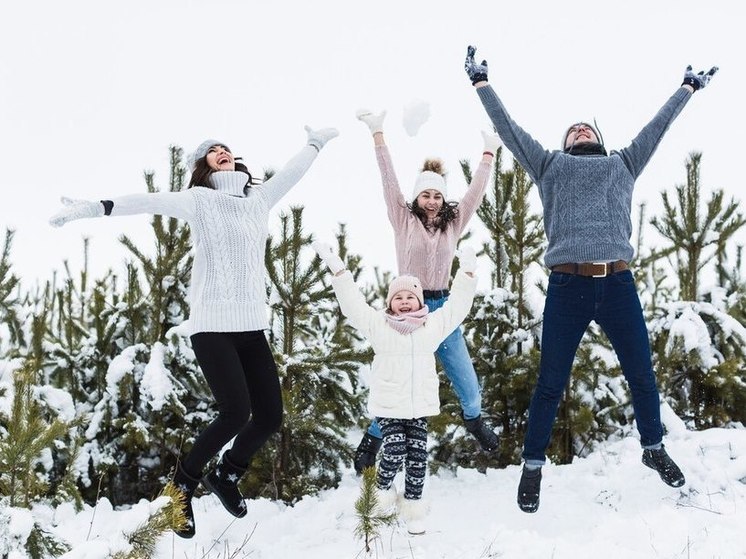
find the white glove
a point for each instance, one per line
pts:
(76, 209)
(326, 253)
(374, 122)
(319, 138)
(491, 142)
(467, 259)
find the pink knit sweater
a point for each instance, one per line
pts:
(419, 252)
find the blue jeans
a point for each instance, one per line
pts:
(454, 357)
(572, 302)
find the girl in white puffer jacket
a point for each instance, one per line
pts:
(403, 380)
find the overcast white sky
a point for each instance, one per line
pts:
(92, 93)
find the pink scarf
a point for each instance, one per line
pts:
(408, 322)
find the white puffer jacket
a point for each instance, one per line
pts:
(404, 382)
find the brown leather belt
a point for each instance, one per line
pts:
(592, 269)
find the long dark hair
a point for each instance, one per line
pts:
(448, 211)
(202, 173)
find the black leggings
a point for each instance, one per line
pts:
(242, 375)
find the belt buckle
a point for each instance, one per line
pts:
(606, 268)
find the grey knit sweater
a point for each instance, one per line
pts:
(587, 199)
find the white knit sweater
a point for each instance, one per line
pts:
(229, 230)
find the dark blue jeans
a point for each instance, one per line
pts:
(572, 302)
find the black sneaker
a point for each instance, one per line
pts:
(528, 490)
(660, 461)
(481, 431)
(366, 453)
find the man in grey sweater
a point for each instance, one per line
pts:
(587, 199)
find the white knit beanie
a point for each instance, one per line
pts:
(201, 151)
(429, 180)
(405, 283)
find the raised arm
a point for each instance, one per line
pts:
(474, 194)
(180, 205)
(351, 302)
(528, 152)
(396, 205)
(641, 149)
(374, 123)
(287, 177)
(464, 285)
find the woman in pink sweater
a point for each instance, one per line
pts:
(426, 231)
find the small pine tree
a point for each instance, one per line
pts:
(691, 231)
(705, 380)
(168, 515)
(26, 435)
(10, 317)
(108, 341)
(167, 272)
(317, 363)
(502, 329)
(370, 519)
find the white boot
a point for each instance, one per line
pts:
(413, 512)
(386, 499)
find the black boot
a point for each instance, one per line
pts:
(223, 482)
(528, 490)
(480, 431)
(367, 450)
(186, 484)
(660, 461)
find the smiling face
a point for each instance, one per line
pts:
(580, 133)
(403, 302)
(219, 158)
(431, 201)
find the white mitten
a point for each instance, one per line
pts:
(319, 138)
(491, 142)
(467, 259)
(374, 122)
(76, 209)
(326, 253)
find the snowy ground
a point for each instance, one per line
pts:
(607, 505)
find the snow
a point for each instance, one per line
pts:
(156, 382)
(58, 400)
(686, 322)
(7, 369)
(416, 113)
(607, 504)
(121, 365)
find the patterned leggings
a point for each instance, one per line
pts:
(404, 443)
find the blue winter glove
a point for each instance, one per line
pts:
(698, 80)
(476, 72)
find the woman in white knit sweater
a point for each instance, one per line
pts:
(403, 379)
(228, 217)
